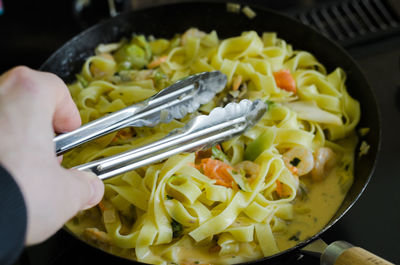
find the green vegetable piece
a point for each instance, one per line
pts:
(131, 55)
(261, 143)
(82, 80)
(141, 41)
(218, 154)
(177, 229)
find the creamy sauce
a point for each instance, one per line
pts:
(310, 216)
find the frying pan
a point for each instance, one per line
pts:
(167, 20)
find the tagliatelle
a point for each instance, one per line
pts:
(175, 211)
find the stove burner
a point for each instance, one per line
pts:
(352, 22)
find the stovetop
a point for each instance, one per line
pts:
(32, 30)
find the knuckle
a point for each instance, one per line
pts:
(23, 78)
(20, 73)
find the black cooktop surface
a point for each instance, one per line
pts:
(32, 30)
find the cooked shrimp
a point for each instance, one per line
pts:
(252, 169)
(325, 159)
(95, 235)
(299, 160)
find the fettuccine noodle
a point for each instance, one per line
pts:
(233, 203)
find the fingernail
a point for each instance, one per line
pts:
(96, 190)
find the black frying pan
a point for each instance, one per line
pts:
(166, 20)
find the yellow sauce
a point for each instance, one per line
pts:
(310, 216)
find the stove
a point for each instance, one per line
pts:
(370, 31)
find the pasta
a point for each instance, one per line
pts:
(250, 197)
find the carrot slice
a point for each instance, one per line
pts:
(236, 82)
(102, 206)
(285, 80)
(156, 62)
(279, 188)
(218, 170)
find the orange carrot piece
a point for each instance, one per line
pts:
(279, 188)
(236, 82)
(102, 206)
(218, 170)
(156, 62)
(285, 80)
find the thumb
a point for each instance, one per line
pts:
(63, 197)
(88, 190)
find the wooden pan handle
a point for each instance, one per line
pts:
(343, 253)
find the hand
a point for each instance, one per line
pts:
(32, 106)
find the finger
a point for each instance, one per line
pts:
(71, 191)
(87, 191)
(42, 93)
(66, 116)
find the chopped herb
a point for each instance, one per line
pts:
(159, 75)
(295, 162)
(177, 229)
(196, 262)
(302, 192)
(169, 197)
(269, 103)
(82, 80)
(347, 167)
(295, 237)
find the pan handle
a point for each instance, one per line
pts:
(343, 253)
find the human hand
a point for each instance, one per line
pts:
(32, 106)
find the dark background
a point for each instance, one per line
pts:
(30, 31)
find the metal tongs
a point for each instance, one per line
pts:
(173, 102)
(201, 132)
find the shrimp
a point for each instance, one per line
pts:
(249, 167)
(96, 236)
(299, 160)
(325, 159)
